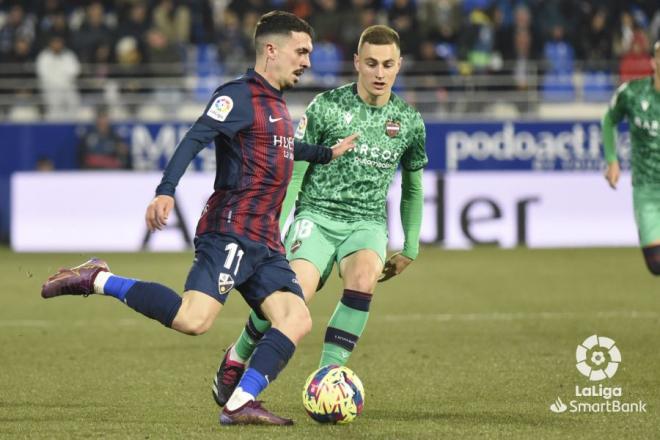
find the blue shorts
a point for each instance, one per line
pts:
(224, 262)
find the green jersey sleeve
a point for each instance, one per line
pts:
(415, 156)
(619, 104)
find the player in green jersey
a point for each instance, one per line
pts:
(340, 215)
(639, 102)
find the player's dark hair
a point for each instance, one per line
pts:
(380, 35)
(280, 23)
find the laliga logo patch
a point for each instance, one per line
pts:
(392, 128)
(302, 126)
(220, 108)
(597, 358)
(225, 282)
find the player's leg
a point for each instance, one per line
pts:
(290, 319)
(237, 355)
(647, 215)
(652, 257)
(311, 249)
(193, 314)
(362, 256)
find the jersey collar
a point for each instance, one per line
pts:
(251, 73)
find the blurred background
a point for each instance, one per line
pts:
(511, 90)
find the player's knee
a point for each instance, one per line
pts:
(194, 327)
(652, 259)
(193, 324)
(297, 321)
(362, 281)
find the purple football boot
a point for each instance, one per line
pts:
(77, 280)
(252, 413)
(226, 379)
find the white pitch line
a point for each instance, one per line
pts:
(517, 316)
(439, 317)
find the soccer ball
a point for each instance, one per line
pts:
(333, 394)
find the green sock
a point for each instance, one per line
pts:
(252, 333)
(345, 327)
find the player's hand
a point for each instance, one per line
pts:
(394, 265)
(345, 145)
(158, 211)
(612, 174)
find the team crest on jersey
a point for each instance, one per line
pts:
(225, 282)
(645, 104)
(392, 128)
(302, 126)
(348, 117)
(220, 108)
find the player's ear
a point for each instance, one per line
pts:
(270, 50)
(356, 62)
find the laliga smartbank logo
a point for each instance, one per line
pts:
(597, 358)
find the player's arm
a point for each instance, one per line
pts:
(192, 143)
(612, 117)
(220, 118)
(311, 153)
(412, 203)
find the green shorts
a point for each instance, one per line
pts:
(323, 241)
(646, 200)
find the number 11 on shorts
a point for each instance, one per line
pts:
(232, 252)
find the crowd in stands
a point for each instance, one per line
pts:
(58, 42)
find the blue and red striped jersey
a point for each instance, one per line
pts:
(252, 130)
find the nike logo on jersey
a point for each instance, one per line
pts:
(271, 119)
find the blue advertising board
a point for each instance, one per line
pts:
(451, 146)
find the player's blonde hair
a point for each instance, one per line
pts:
(380, 35)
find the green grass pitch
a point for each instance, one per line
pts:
(473, 344)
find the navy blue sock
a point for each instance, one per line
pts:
(154, 301)
(118, 286)
(271, 356)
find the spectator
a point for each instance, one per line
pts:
(56, 25)
(596, 43)
(21, 58)
(327, 21)
(233, 45)
(102, 148)
(93, 32)
(57, 69)
(173, 19)
(402, 16)
(635, 63)
(17, 24)
(136, 25)
(129, 71)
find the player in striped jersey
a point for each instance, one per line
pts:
(237, 244)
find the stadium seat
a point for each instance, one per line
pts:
(150, 112)
(598, 86)
(560, 57)
(326, 62)
(207, 69)
(557, 84)
(23, 113)
(558, 87)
